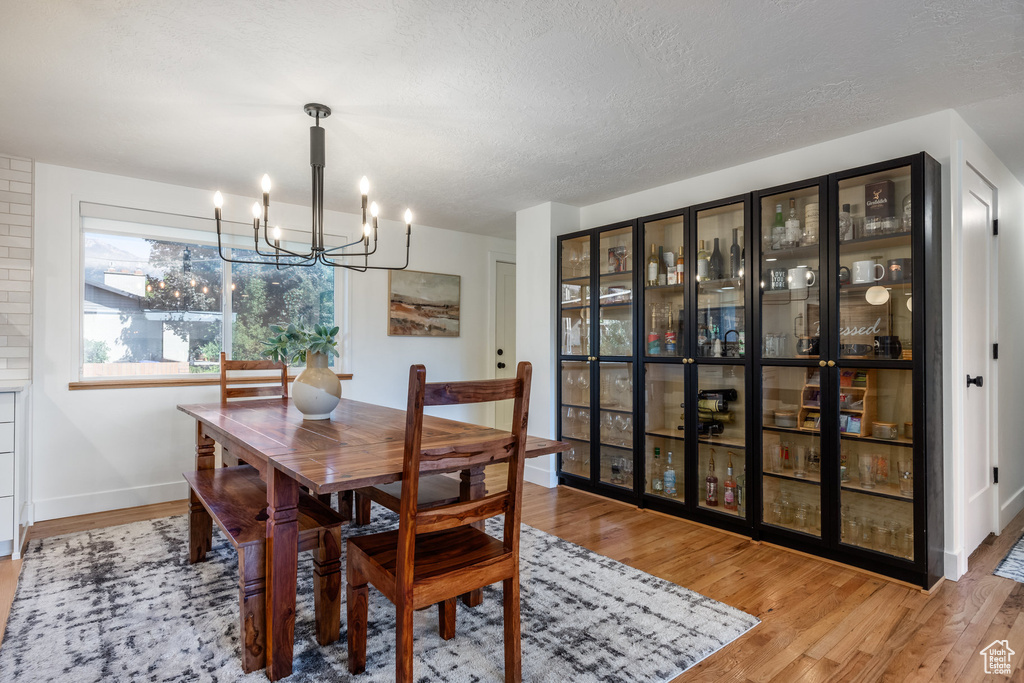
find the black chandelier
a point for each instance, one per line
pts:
(318, 253)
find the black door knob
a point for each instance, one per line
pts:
(978, 381)
(501, 351)
(501, 366)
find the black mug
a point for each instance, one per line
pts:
(898, 270)
(844, 275)
(807, 346)
(888, 347)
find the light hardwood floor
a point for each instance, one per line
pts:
(820, 621)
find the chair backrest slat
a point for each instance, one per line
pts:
(461, 513)
(227, 391)
(472, 452)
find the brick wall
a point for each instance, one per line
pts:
(16, 185)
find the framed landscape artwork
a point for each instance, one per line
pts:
(423, 304)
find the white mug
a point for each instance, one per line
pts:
(864, 272)
(801, 277)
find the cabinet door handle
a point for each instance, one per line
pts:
(821, 363)
(831, 363)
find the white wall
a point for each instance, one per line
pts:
(940, 135)
(113, 448)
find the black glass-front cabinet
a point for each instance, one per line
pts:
(759, 363)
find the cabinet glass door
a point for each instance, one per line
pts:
(575, 296)
(615, 292)
(791, 448)
(719, 276)
(721, 438)
(875, 266)
(615, 423)
(576, 417)
(664, 287)
(876, 463)
(791, 275)
(664, 439)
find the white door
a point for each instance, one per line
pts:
(980, 492)
(505, 337)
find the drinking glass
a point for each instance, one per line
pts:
(574, 260)
(775, 458)
(905, 474)
(627, 433)
(620, 430)
(585, 424)
(607, 427)
(583, 382)
(867, 470)
(570, 422)
(800, 470)
(882, 470)
(570, 388)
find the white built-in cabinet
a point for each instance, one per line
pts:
(14, 482)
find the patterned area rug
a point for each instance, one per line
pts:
(123, 604)
(1012, 566)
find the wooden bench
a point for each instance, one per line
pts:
(236, 499)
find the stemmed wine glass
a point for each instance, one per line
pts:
(570, 421)
(620, 427)
(570, 388)
(583, 382)
(574, 261)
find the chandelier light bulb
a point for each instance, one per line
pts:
(374, 209)
(161, 285)
(205, 290)
(176, 294)
(192, 283)
(408, 217)
(366, 229)
(364, 186)
(218, 200)
(265, 183)
(257, 210)
(277, 232)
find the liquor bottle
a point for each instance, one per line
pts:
(734, 255)
(778, 228)
(711, 483)
(652, 268)
(703, 258)
(662, 275)
(729, 487)
(657, 483)
(679, 265)
(743, 257)
(787, 464)
(672, 277)
(670, 337)
(724, 394)
(717, 405)
(794, 232)
(845, 224)
(653, 337)
(716, 266)
(670, 477)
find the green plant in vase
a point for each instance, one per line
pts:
(317, 389)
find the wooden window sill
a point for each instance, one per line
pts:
(190, 381)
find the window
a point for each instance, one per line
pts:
(167, 307)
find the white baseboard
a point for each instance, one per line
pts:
(954, 564)
(542, 472)
(1009, 509)
(69, 506)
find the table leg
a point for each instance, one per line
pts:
(200, 524)
(471, 488)
(282, 570)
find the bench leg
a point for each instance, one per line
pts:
(362, 512)
(345, 503)
(446, 618)
(252, 605)
(327, 586)
(200, 524)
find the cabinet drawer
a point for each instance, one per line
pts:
(6, 438)
(7, 518)
(7, 407)
(6, 474)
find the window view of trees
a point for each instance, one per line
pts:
(156, 307)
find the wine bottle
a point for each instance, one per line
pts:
(662, 275)
(713, 404)
(657, 483)
(679, 265)
(653, 337)
(652, 268)
(670, 477)
(672, 277)
(703, 259)
(743, 257)
(778, 228)
(734, 255)
(716, 266)
(711, 483)
(794, 232)
(729, 487)
(724, 394)
(670, 337)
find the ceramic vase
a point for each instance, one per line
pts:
(317, 390)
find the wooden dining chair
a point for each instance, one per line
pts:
(231, 389)
(438, 554)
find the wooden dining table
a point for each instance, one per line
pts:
(361, 445)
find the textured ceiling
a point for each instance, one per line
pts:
(469, 111)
